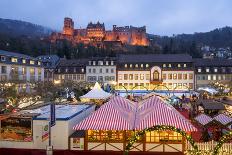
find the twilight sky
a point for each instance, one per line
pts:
(162, 17)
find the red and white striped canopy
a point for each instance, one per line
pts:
(117, 114)
(155, 111)
(203, 119)
(223, 119)
(122, 114)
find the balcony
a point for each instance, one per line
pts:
(156, 81)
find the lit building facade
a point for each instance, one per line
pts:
(20, 67)
(70, 71)
(102, 70)
(208, 71)
(155, 72)
(95, 34)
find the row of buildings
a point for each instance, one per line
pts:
(125, 72)
(96, 34)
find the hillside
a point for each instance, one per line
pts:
(16, 28)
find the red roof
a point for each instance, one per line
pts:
(122, 114)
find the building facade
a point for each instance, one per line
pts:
(102, 70)
(70, 70)
(20, 67)
(155, 72)
(95, 34)
(208, 71)
(50, 63)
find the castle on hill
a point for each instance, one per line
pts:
(96, 34)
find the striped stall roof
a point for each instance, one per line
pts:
(122, 114)
(223, 119)
(203, 119)
(117, 114)
(155, 111)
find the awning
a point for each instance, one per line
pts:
(203, 119)
(122, 114)
(223, 119)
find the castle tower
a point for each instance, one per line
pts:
(68, 28)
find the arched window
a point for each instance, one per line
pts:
(155, 75)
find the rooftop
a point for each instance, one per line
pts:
(63, 112)
(13, 54)
(212, 62)
(155, 58)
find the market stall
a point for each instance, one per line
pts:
(97, 94)
(113, 124)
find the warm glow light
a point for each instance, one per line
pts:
(57, 81)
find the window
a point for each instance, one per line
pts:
(107, 70)
(39, 63)
(119, 76)
(94, 63)
(107, 63)
(207, 70)
(214, 77)
(104, 135)
(32, 62)
(136, 76)
(190, 85)
(179, 85)
(141, 65)
(164, 76)
(89, 70)
(130, 76)
(209, 77)
(94, 70)
(3, 58)
(163, 136)
(179, 76)
(199, 70)
(190, 76)
(100, 70)
(74, 70)
(112, 70)
(174, 76)
(141, 76)
(32, 71)
(14, 60)
(215, 70)
(185, 76)
(125, 76)
(39, 72)
(82, 70)
(125, 65)
(179, 65)
(155, 75)
(164, 65)
(66, 70)
(75, 77)
(130, 65)
(169, 65)
(169, 76)
(100, 78)
(112, 63)
(3, 68)
(136, 65)
(185, 65)
(147, 76)
(147, 65)
(24, 70)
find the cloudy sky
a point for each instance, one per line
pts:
(162, 17)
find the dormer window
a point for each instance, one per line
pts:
(32, 62)
(112, 63)
(82, 70)
(179, 65)
(170, 65)
(215, 70)
(199, 70)
(90, 63)
(107, 63)
(207, 70)
(24, 61)
(3, 58)
(66, 70)
(74, 70)
(141, 65)
(136, 65)
(164, 65)
(39, 63)
(130, 65)
(125, 65)
(185, 65)
(147, 65)
(100, 63)
(14, 60)
(94, 63)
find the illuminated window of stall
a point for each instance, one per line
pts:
(130, 134)
(105, 135)
(163, 136)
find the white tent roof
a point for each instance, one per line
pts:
(210, 90)
(96, 93)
